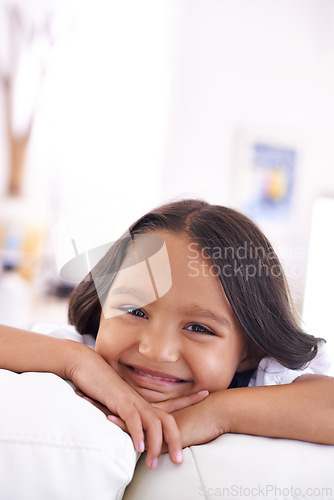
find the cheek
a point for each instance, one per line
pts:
(215, 369)
(213, 373)
(108, 345)
(102, 347)
(113, 340)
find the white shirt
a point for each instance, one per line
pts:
(271, 372)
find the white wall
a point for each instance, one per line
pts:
(267, 63)
(97, 144)
(146, 101)
(3, 150)
(319, 292)
(241, 66)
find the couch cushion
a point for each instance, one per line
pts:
(56, 446)
(240, 466)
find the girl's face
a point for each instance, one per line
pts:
(167, 327)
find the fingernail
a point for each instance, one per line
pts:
(178, 456)
(201, 393)
(154, 463)
(141, 446)
(112, 418)
(87, 399)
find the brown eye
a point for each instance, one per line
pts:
(134, 311)
(197, 328)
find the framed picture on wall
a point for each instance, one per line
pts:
(264, 175)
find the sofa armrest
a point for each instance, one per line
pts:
(56, 446)
(240, 466)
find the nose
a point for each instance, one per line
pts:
(159, 344)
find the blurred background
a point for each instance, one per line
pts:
(109, 108)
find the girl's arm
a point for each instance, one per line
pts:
(22, 351)
(302, 410)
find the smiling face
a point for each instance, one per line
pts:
(167, 327)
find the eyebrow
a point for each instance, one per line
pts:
(192, 310)
(199, 311)
(125, 291)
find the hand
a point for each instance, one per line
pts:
(201, 423)
(190, 413)
(160, 409)
(189, 423)
(170, 405)
(95, 377)
(174, 404)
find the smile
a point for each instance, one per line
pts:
(155, 376)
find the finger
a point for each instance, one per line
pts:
(169, 430)
(172, 438)
(79, 393)
(154, 439)
(98, 405)
(175, 404)
(86, 398)
(118, 421)
(133, 422)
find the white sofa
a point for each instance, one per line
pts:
(240, 467)
(56, 446)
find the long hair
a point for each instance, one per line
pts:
(243, 259)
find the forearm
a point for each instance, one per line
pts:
(303, 410)
(22, 351)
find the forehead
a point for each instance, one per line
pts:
(145, 270)
(156, 263)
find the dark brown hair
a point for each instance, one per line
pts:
(243, 259)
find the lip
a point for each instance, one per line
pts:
(142, 373)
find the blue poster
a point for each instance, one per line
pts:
(272, 174)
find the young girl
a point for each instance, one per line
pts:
(192, 303)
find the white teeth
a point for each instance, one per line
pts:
(151, 376)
